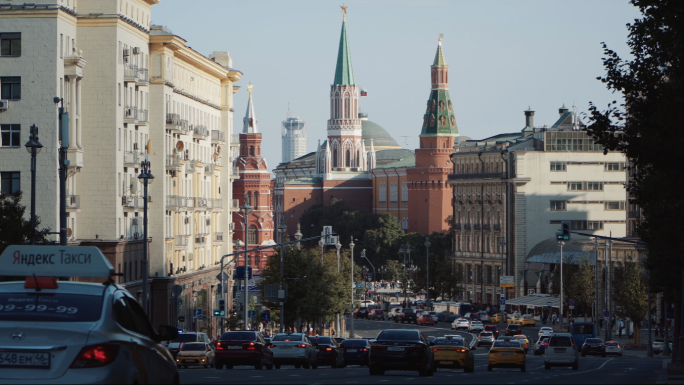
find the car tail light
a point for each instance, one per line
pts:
(365, 350)
(95, 356)
(220, 346)
(328, 349)
(273, 346)
(434, 350)
(403, 315)
(251, 346)
(300, 346)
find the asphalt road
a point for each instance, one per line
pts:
(628, 369)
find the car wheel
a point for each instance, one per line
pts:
(259, 366)
(277, 366)
(575, 366)
(334, 364)
(229, 366)
(185, 366)
(489, 368)
(522, 368)
(206, 366)
(298, 366)
(547, 367)
(269, 367)
(306, 365)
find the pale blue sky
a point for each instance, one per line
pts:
(502, 57)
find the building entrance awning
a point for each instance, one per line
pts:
(548, 251)
(535, 300)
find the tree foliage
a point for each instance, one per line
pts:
(579, 284)
(630, 290)
(646, 127)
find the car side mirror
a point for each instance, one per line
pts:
(432, 344)
(167, 333)
(473, 348)
(314, 344)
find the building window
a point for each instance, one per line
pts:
(10, 88)
(574, 186)
(10, 44)
(252, 235)
(251, 150)
(614, 205)
(10, 182)
(558, 206)
(586, 225)
(594, 225)
(347, 160)
(10, 135)
(614, 166)
(404, 223)
(393, 192)
(558, 166)
(383, 193)
(404, 192)
(594, 186)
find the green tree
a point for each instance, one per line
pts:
(584, 286)
(630, 290)
(646, 127)
(380, 241)
(14, 229)
(393, 270)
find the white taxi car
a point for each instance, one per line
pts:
(294, 349)
(70, 332)
(613, 347)
(460, 323)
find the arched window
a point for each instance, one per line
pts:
(348, 159)
(256, 200)
(334, 156)
(251, 150)
(248, 199)
(252, 235)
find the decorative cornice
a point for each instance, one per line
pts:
(196, 98)
(133, 23)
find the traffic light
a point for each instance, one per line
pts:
(221, 307)
(564, 234)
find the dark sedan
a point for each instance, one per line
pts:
(328, 352)
(362, 312)
(593, 346)
(243, 348)
(513, 330)
(407, 315)
(356, 352)
(401, 350)
(492, 329)
(377, 314)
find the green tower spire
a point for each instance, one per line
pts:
(344, 73)
(439, 56)
(439, 119)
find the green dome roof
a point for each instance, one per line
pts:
(381, 138)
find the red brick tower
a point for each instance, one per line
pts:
(254, 186)
(429, 193)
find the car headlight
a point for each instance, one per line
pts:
(203, 354)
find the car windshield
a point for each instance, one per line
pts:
(450, 342)
(194, 346)
(490, 327)
(527, 316)
(378, 312)
(520, 337)
(593, 341)
(514, 326)
(612, 343)
(506, 344)
(477, 323)
(287, 337)
(462, 320)
(486, 334)
(320, 340)
(238, 336)
(407, 311)
(354, 344)
(52, 307)
(398, 335)
(560, 341)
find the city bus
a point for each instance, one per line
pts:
(581, 331)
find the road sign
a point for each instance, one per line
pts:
(502, 300)
(222, 274)
(181, 318)
(333, 240)
(460, 298)
(397, 294)
(327, 230)
(370, 276)
(251, 288)
(359, 285)
(266, 316)
(548, 305)
(571, 307)
(506, 281)
(240, 272)
(251, 314)
(606, 313)
(530, 291)
(511, 290)
(571, 302)
(197, 313)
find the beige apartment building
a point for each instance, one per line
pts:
(135, 92)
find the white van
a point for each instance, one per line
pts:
(561, 351)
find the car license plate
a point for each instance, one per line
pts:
(446, 362)
(352, 350)
(234, 347)
(559, 350)
(507, 353)
(25, 360)
(395, 349)
(190, 360)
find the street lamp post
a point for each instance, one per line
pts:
(298, 236)
(146, 178)
(427, 254)
(502, 245)
(321, 244)
(33, 146)
(363, 254)
(597, 313)
(283, 229)
(338, 246)
(351, 315)
(246, 210)
(561, 243)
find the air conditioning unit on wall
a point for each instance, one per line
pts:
(136, 50)
(4, 105)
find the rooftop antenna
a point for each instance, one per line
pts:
(575, 116)
(406, 139)
(288, 110)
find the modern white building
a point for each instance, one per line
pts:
(518, 188)
(134, 92)
(293, 138)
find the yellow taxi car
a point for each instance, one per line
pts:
(514, 318)
(195, 354)
(524, 342)
(496, 318)
(506, 352)
(528, 320)
(453, 352)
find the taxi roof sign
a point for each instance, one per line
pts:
(54, 261)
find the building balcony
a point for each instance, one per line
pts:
(200, 132)
(201, 203)
(132, 158)
(188, 202)
(184, 127)
(173, 123)
(209, 169)
(477, 227)
(487, 227)
(218, 137)
(217, 204)
(130, 73)
(497, 227)
(143, 118)
(73, 203)
(218, 237)
(634, 214)
(235, 140)
(235, 173)
(181, 242)
(131, 115)
(174, 202)
(143, 77)
(235, 205)
(191, 166)
(174, 162)
(491, 175)
(132, 202)
(457, 226)
(466, 227)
